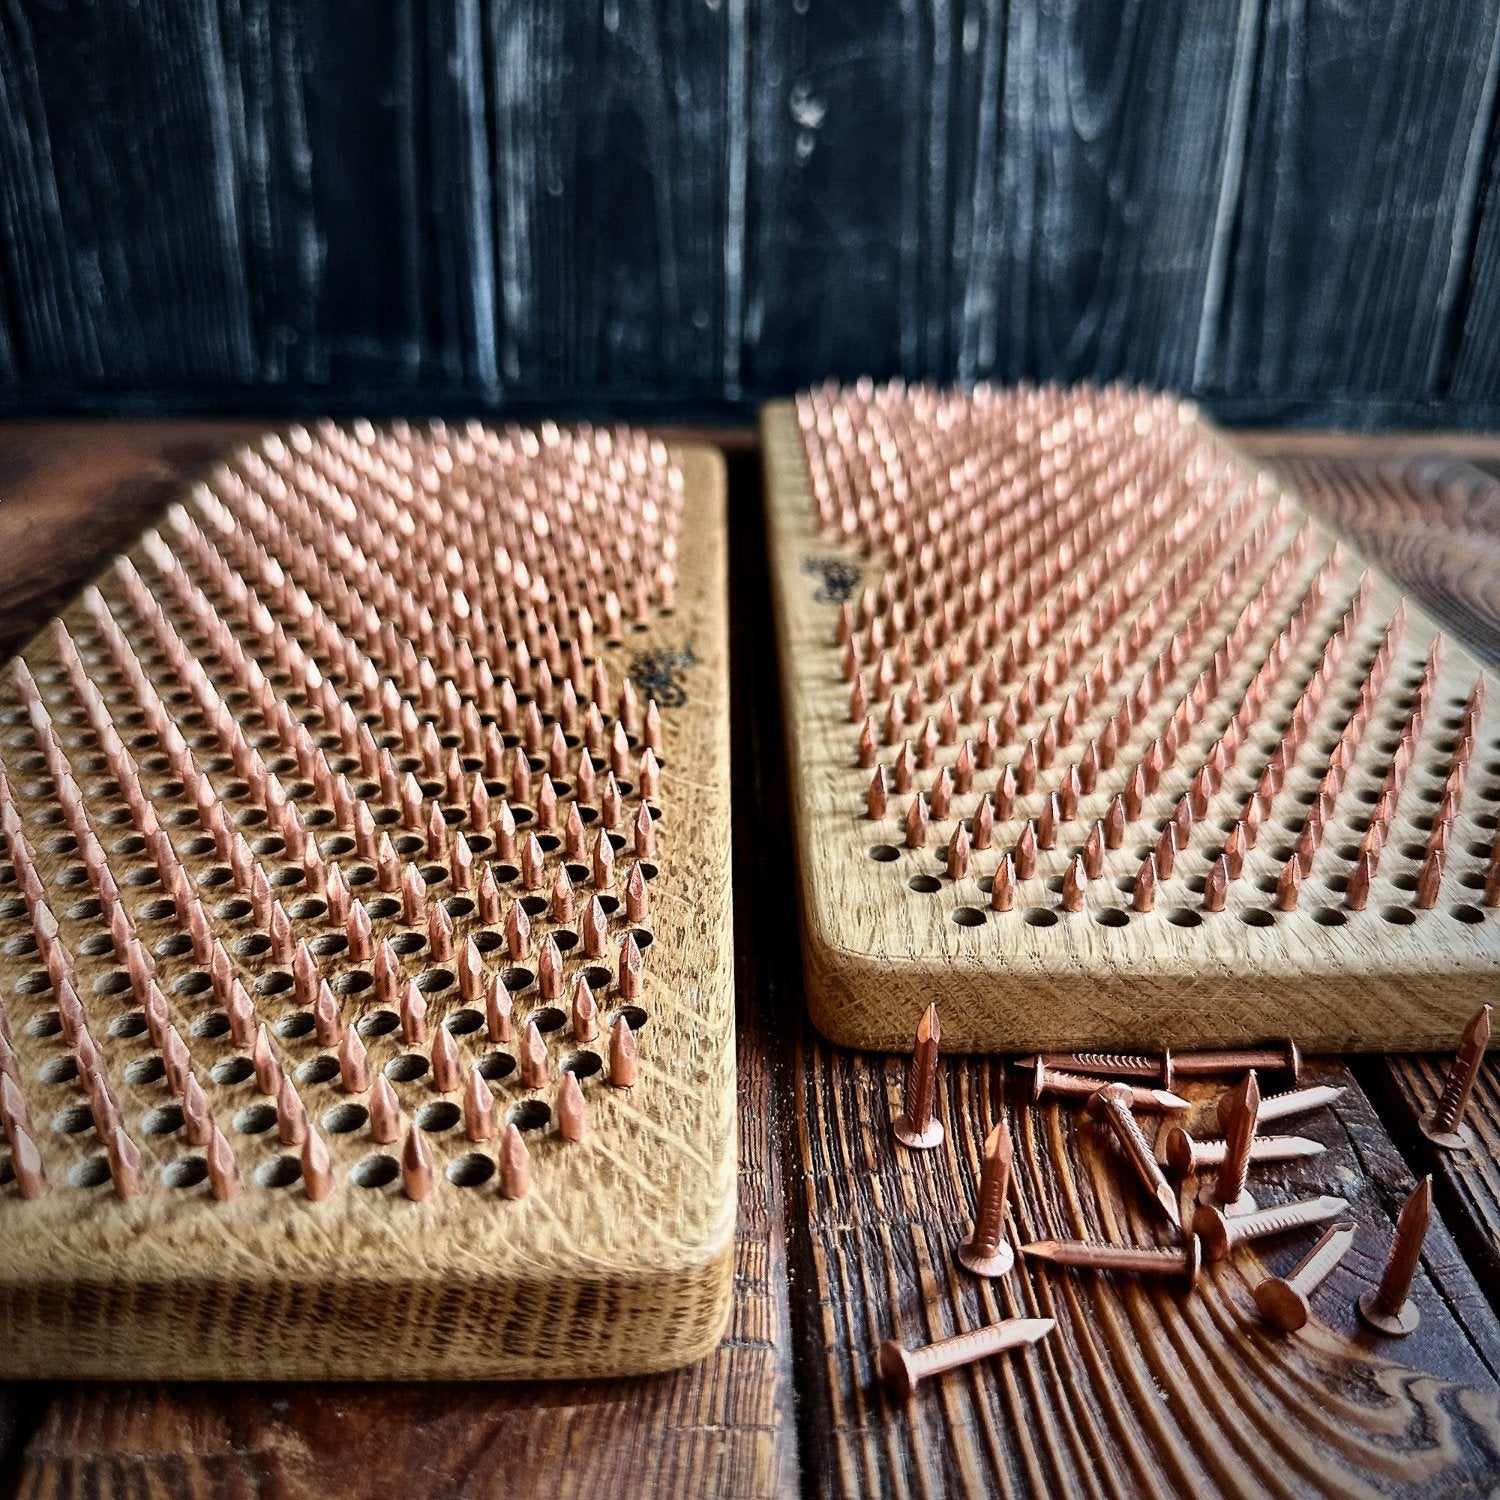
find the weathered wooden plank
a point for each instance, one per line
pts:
(1275, 206)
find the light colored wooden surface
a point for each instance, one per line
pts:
(619, 1259)
(886, 932)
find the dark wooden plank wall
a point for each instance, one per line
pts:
(1290, 208)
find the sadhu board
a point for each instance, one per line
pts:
(365, 969)
(1098, 740)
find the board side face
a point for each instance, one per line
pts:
(886, 930)
(618, 1258)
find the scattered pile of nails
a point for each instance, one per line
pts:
(1224, 1214)
(345, 739)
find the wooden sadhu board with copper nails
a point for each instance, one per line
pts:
(1072, 644)
(365, 963)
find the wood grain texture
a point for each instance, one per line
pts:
(1142, 1389)
(885, 927)
(620, 1258)
(1278, 207)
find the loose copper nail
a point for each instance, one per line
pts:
(1284, 1058)
(1444, 1126)
(901, 1369)
(416, 1166)
(572, 1113)
(1229, 1190)
(1388, 1307)
(1112, 1105)
(385, 1112)
(917, 1125)
(1283, 1106)
(1184, 1260)
(1051, 1082)
(1283, 1300)
(317, 1168)
(622, 1055)
(515, 1165)
(479, 1108)
(1184, 1155)
(985, 1250)
(1221, 1234)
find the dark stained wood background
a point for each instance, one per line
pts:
(1290, 208)
(845, 1240)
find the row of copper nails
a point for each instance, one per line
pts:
(457, 657)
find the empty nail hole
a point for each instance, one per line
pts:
(162, 1120)
(582, 1064)
(517, 979)
(432, 981)
(58, 1070)
(1257, 916)
(378, 1023)
(73, 1120)
(440, 1115)
(924, 885)
(548, 1018)
(279, 1172)
(967, 916)
(407, 941)
(633, 1015)
(374, 1171)
(463, 1022)
(273, 982)
(1184, 916)
(496, 1065)
(1398, 916)
(1466, 913)
(255, 1119)
(185, 1173)
(472, 1169)
(1039, 916)
(1328, 916)
(90, 1172)
(344, 1119)
(406, 1068)
(318, 1070)
(351, 982)
(194, 982)
(529, 1114)
(210, 1023)
(294, 1024)
(1111, 916)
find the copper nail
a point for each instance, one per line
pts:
(1221, 1234)
(1283, 1300)
(901, 1369)
(1184, 1260)
(917, 1125)
(985, 1250)
(1388, 1308)
(1444, 1124)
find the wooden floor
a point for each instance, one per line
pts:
(843, 1240)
